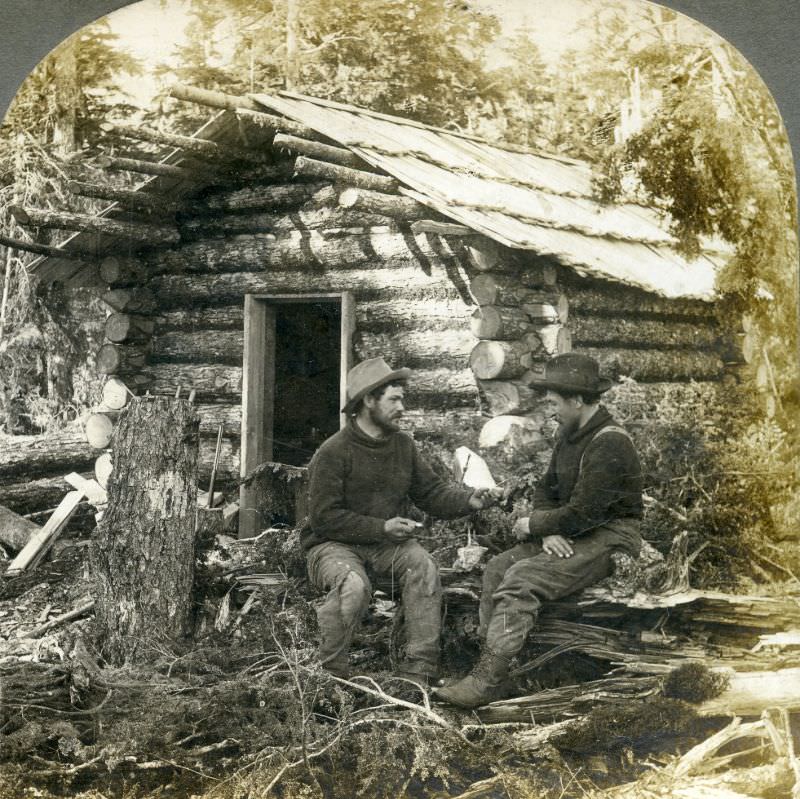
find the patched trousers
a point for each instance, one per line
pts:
(516, 581)
(341, 570)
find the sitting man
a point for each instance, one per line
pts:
(360, 481)
(588, 503)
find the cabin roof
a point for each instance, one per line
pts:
(522, 199)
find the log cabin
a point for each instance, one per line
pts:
(290, 237)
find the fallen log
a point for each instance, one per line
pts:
(322, 170)
(498, 322)
(141, 232)
(750, 693)
(15, 530)
(214, 99)
(71, 615)
(34, 495)
(42, 455)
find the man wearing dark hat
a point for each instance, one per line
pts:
(588, 503)
(361, 479)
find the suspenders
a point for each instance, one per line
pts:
(612, 428)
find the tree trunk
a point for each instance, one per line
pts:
(497, 322)
(438, 389)
(142, 555)
(113, 359)
(654, 365)
(134, 300)
(394, 206)
(122, 327)
(139, 201)
(216, 289)
(135, 231)
(49, 453)
(497, 359)
(629, 331)
(416, 348)
(322, 170)
(512, 397)
(116, 270)
(268, 198)
(322, 152)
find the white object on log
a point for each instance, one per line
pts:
(471, 469)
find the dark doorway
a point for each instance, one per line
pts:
(307, 378)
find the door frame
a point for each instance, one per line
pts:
(258, 383)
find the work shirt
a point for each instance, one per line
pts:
(609, 485)
(357, 482)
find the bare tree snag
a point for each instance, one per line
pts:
(142, 555)
(498, 322)
(141, 232)
(115, 359)
(322, 170)
(121, 328)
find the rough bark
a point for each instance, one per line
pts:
(175, 291)
(644, 333)
(416, 348)
(394, 206)
(655, 365)
(261, 121)
(50, 453)
(133, 300)
(201, 346)
(301, 250)
(498, 322)
(142, 555)
(622, 300)
(491, 360)
(134, 199)
(315, 149)
(141, 232)
(128, 328)
(322, 170)
(149, 168)
(43, 249)
(113, 359)
(209, 382)
(268, 197)
(504, 397)
(37, 493)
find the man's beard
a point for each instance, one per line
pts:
(386, 424)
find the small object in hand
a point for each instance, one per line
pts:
(418, 524)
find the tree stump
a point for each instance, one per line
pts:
(143, 552)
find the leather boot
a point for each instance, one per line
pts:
(479, 687)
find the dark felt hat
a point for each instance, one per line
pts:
(367, 376)
(573, 372)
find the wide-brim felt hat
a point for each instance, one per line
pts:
(573, 371)
(367, 376)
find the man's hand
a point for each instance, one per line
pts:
(484, 498)
(557, 545)
(399, 529)
(521, 529)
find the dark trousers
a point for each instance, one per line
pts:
(341, 570)
(516, 581)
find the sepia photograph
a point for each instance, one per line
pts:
(398, 398)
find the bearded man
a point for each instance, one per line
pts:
(361, 480)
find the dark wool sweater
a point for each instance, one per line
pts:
(357, 482)
(609, 486)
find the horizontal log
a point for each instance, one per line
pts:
(498, 322)
(128, 328)
(268, 197)
(199, 346)
(216, 289)
(645, 333)
(654, 365)
(300, 219)
(99, 427)
(322, 170)
(135, 199)
(34, 493)
(117, 164)
(750, 693)
(209, 382)
(140, 301)
(323, 152)
(487, 255)
(625, 301)
(116, 394)
(437, 228)
(456, 424)
(117, 270)
(394, 206)
(262, 121)
(213, 99)
(491, 289)
(121, 359)
(491, 360)
(508, 397)
(15, 531)
(102, 469)
(41, 249)
(416, 348)
(136, 231)
(200, 147)
(212, 415)
(59, 452)
(549, 340)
